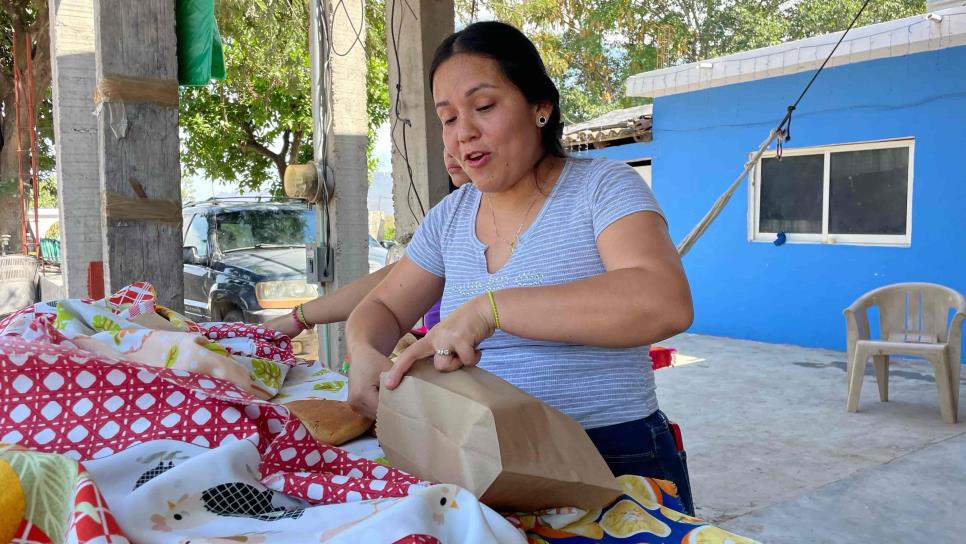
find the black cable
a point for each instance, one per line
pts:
(323, 46)
(397, 112)
(787, 120)
(357, 31)
(329, 47)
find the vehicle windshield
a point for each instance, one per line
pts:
(264, 228)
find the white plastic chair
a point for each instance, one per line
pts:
(912, 321)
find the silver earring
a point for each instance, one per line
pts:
(541, 121)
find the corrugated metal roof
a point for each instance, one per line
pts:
(633, 122)
(612, 118)
(945, 28)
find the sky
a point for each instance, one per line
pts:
(383, 149)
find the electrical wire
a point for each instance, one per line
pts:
(25, 101)
(397, 112)
(326, 48)
(357, 40)
(778, 134)
(323, 47)
(785, 126)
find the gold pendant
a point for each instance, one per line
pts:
(513, 246)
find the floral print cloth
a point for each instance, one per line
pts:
(125, 422)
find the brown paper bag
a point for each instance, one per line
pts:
(472, 429)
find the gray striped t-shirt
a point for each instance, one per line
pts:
(596, 386)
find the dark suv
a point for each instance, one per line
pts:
(245, 261)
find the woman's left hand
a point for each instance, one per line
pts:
(285, 324)
(452, 342)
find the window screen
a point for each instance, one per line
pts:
(868, 191)
(791, 194)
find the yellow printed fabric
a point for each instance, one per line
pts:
(648, 512)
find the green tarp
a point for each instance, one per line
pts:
(200, 54)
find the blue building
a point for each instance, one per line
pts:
(870, 191)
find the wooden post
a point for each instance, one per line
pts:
(415, 28)
(75, 135)
(137, 118)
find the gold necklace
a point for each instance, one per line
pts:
(513, 244)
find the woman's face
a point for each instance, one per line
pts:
(488, 125)
(454, 169)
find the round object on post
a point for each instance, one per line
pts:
(302, 181)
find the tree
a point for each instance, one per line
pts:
(248, 128)
(711, 30)
(377, 76)
(591, 47)
(23, 22)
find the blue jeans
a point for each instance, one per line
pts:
(644, 447)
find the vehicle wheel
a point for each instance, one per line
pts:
(232, 315)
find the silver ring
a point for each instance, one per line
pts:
(444, 352)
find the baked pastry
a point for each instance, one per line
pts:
(330, 422)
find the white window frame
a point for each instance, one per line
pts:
(894, 240)
(648, 180)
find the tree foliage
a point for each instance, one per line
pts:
(377, 75)
(591, 47)
(249, 127)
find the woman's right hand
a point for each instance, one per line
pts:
(364, 372)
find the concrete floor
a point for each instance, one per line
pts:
(773, 455)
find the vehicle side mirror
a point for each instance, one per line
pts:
(189, 255)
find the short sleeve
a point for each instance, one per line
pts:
(617, 191)
(426, 247)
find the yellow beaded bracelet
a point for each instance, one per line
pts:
(299, 314)
(496, 313)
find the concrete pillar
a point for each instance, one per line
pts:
(339, 90)
(140, 172)
(75, 136)
(417, 132)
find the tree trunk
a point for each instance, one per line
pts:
(10, 217)
(9, 193)
(278, 159)
(293, 152)
(280, 166)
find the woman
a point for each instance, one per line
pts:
(336, 307)
(555, 273)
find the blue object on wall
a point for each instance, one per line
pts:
(780, 239)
